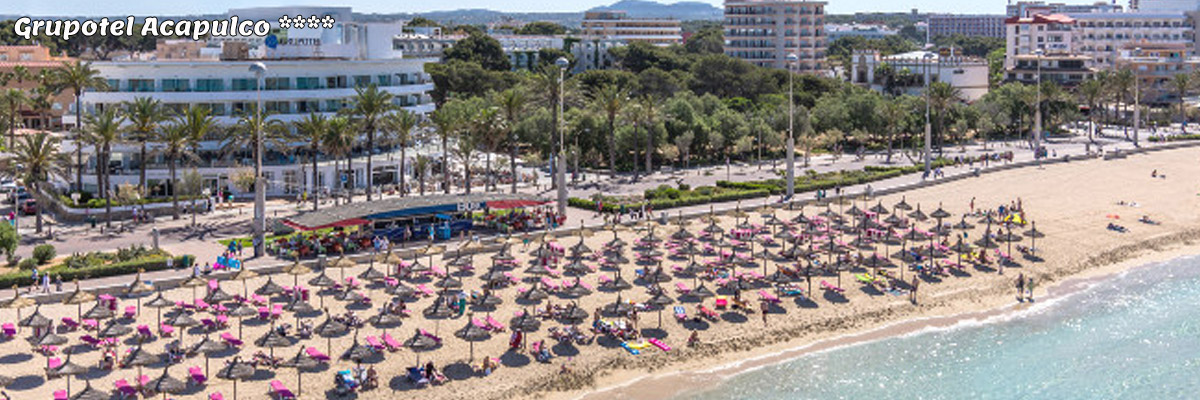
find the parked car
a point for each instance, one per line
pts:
(29, 207)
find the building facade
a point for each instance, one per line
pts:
(1064, 69)
(617, 25)
(838, 31)
(966, 25)
(1155, 66)
(35, 59)
(1025, 9)
(1099, 37)
(905, 73)
(765, 32)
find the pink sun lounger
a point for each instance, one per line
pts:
(391, 342)
(10, 330)
(494, 325)
(659, 344)
(70, 323)
(768, 297)
(425, 291)
(166, 330)
(144, 331)
(829, 286)
(125, 388)
(431, 336)
(375, 343)
(316, 354)
(197, 375)
(281, 392)
(60, 395)
(230, 340)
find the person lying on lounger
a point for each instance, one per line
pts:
(1117, 228)
(1145, 219)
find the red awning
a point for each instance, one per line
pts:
(505, 204)
(342, 223)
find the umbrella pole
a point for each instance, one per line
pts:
(299, 382)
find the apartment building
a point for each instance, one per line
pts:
(1100, 37)
(35, 59)
(966, 25)
(765, 32)
(905, 73)
(1155, 65)
(1025, 9)
(617, 25)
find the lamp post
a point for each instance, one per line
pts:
(791, 139)
(1037, 118)
(561, 163)
(259, 69)
(1137, 102)
(928, 127)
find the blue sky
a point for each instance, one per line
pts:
(159, 7)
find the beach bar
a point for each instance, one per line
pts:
(445, 215)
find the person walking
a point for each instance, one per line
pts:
(1029, 287)
(912, 295)
(1020, 286)
(765, 309)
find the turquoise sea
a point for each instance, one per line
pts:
(1132, 336)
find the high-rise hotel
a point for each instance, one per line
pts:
(765, 32)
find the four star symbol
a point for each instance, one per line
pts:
(312, 22)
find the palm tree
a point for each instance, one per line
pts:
(512, 105)
(179, 139)
(466, 144)
(446, 121)
(40, 160)
(41, 102)
(941, 97)
(398, 126)
(104, 130)
(1091, 92)
(489, 127)
(13, 99)
(339, 141)
(144, 115)
(421, 166)
(370, 105)
(552, 89)
(611, 99)
(1120, 86)
(252, 128)
(1181, 84)
(312, 130)
(77, 77)
(892, 110)
(648, 116)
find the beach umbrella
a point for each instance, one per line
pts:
(420, 343)
(243, 275)
(6, 380)
(50, 339)
(341, 264)
(617, 284)
(535, 293)
(78, 298)
(577, 289)
(371, 274)
(99, 311)
(241, 310)
(385, 320)
(139, 357)
(402, 290)
(299, 306)
(894, 220)
(581, 247)
(295, 270)
(217, 296)
(525, 322)
(89, 393)
(350, 295)
(159, 302)
(660, 301)
(357, 351)
(301, 362)
(166, 383)
(918, 215)
(389, 258)
(473, 333)
(488, 299)
(618, 306)
(1033, 234)
(615, 259)
(448, 282)
(112, 329)
(658, 275)
(207, 346)
(235, 371)
(537, 269)
(329, 329)
(270, 288)
(878, 208)
(18, 302)
(68, 369)
(182, 321)
(986, 241)
(702, 292)
(902, 205)
(573, 314)
(963, 225)
(322, 281)
(439, 309)
(272, 339)
(193, 282)
(577, 268)
(961, 246)
(35, 320)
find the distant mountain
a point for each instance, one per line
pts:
(684, 10)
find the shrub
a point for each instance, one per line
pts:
(44, 253)
(152, 263)
(27, 264)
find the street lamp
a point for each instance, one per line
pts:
(1037, 119)
(928, 127)
(791, 139)
(260, 196)
(560, 163)
(1137, 101)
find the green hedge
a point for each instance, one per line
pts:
(1176, 138)
(666, 203)
(184, 201)
(23, 278)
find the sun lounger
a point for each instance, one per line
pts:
(125, 389)
(216, 396)
(721, 302)
(208, 324)
(494, 325)
(549, 284)
(425, 291)
(143, 380)
(222, 320)
(707, 313)
(70, 323)
(680, 314)
(375, 343)
(90, 340)
(258, 300)
(659, 344)
(316, 354)
(417, 376)
(391, 342)
(214, 285)
(48, 350)
(276, 311)
(60, 395)
(165, 330)
(828, 286)
(681, 288)
(131, 312)
(768, 297)
(54, 363)
(431, 336)
(10, 330)
(604, 279)
(630, 349)
(144, 331)
(281, 392)
(230, 340)
(90, 324)
(200, 304)
(197, 375)
(264, 313)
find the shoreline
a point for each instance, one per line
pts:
(674, 384)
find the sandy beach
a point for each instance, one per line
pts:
(1071, 203)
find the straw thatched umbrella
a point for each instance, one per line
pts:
(702, 292)
(330, 329)
(159, 302)
(241, 311)
(420, 343)
(18, 302)
(112, 330)
(525, 323)
(439, 309)
(371, 274)
(218, 296)
(1033, 234)
(272, 339)
(270, 288)
(139, 357)
(402, 290)
(89, 393)
(918, 215)
(660, 301)
(577, 268)
(243, 275)
(182, 321)
(534, 294)
(577, 289)
(207, 346)
(448, 282)
(68, 369)
(49, 339)
(295, 270)
(78, 298)
(322, 281)
(301, 362)
(488, 300)
(385, 320)
(472, 333)
(166, 383)
(341, 264)
(35, 320)
(98, 312)
(235, 371)
(902, 205)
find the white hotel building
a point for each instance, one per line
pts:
(300, 80)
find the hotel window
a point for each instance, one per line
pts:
(244, 84)
(277, 84)
(362, 80)
(333, 105)
(215, 109)
(335, 82)
(210, 85)
(174, 85)
(307, 106)
(175, 108)
(141, 85)
(113, 85)
(305, 83)
(4, 57)
(278, 107)
(385, 80)
(239, 108)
